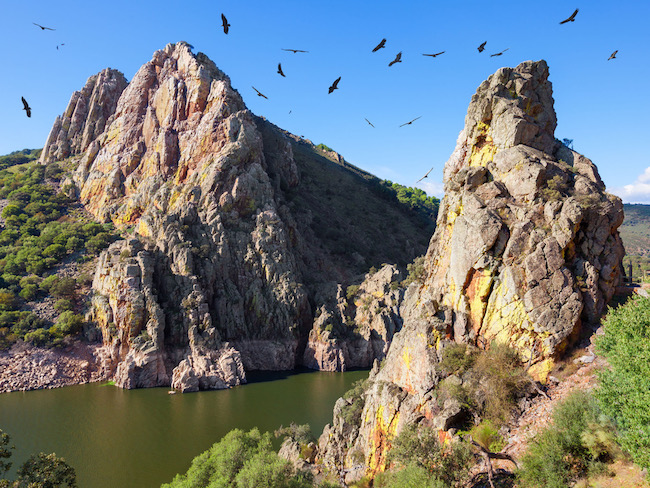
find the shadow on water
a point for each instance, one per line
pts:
(265, 376)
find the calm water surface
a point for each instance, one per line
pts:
(118, 438)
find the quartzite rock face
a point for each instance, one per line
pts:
(526, 248)
(225, 265)
(88, 113)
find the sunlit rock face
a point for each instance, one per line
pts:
(234, 241)
(526, 249)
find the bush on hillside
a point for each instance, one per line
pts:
(624, 391)
(241, 460)
(570, 447)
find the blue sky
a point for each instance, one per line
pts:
(602, 105)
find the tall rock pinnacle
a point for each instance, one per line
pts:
(526, 250)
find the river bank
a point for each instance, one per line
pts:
(25, 367)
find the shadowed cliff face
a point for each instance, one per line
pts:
(525, 250)
(238, 232)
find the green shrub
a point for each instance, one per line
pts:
(352, 291)
(299, 433)
(68, 323)
(416, 272)
(240, 459)
(572, 445)
(356, 397)
(29, 292)
(39, 337)
(624, 391)
(420, 447)
(63, 304)
(63, 286)
(457, 359)
(410, 476)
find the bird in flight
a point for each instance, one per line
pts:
(434, 55)
(335, 85)
(499, 54)
(26, 107)
(43, 27)
(57, 46)
(571, 18)
(225, 23)
(613, 55)
(381, 44)
(369, 122)
(481, 48)
(260, 94)
(398, 59)
(410, 122)
(294, 51)
(426, 175)
(280, 69)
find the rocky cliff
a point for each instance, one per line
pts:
(526, 250)
(239, 235)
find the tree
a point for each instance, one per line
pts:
(39, 471)
(624, 391)
(240, 459)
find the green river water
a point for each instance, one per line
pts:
(118, 438)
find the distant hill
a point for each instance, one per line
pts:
(635, 230)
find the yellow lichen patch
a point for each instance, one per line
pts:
(406, 356)
(380, 440)
(129, 217)
(378, 294)
(477, 292)
(483, 154)
(144, 228)
(541, 370)
(483, 150)
(505, 317)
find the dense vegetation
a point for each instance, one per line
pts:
(578, 443)
(241, 460)
(19, 157)
(39, 471)
(624, 392)
(415, 199)
(588, 431)
(37, 234)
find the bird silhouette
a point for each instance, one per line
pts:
(426, 175)
(398, 59)
(369, 122)
(294, 51)
(571, 18)
(381, 44)
(26, 107)
(434, 55)
(334, 86)
(613, 55)
(499, 54)
(57, 46)
(410, 121)
(481, 48)
(280, 69)
(43, 27)
(225, 23)
(260, 94)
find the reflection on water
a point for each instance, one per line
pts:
(141, 438)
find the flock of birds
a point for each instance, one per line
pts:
(334, 86)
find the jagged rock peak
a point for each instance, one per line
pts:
(86, 116)
(525, 251)
(526, 245)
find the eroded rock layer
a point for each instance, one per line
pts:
(525, 250)
(239, 234)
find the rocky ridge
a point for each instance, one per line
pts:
(237, 234)
(526, 250)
